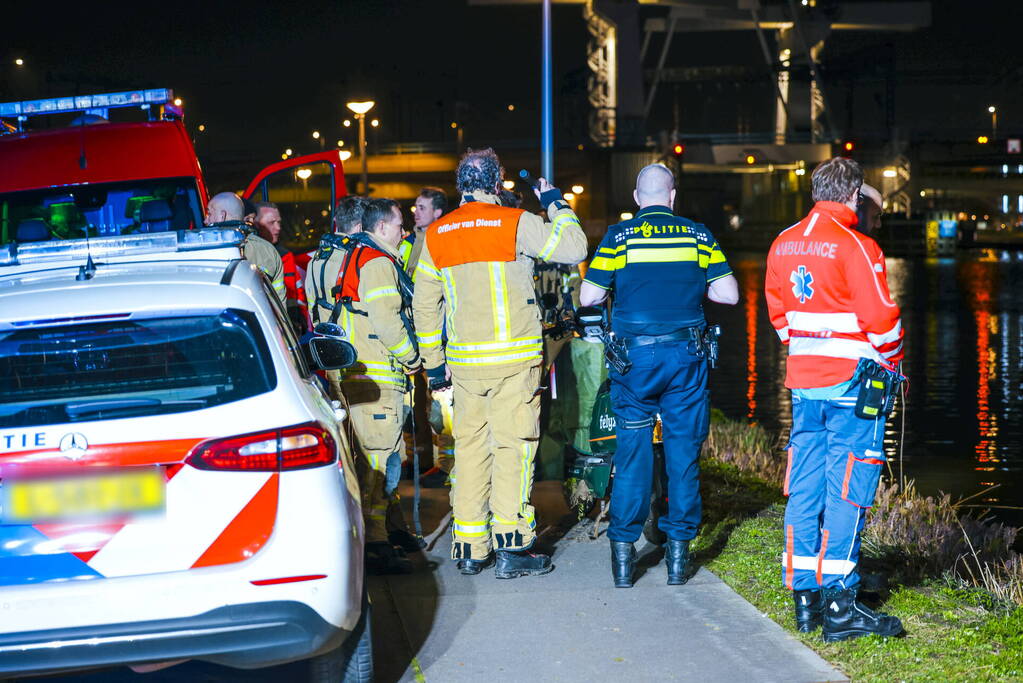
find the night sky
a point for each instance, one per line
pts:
(262, 76)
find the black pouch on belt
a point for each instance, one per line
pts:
(877, 387)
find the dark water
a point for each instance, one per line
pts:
(964, 351)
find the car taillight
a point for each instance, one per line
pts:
(290, 448)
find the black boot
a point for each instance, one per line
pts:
(808, 610)
(404, 539)
(474, 567)
(384, 558)
(844, 618)
(676, 557)
(623, 564)
(512, 564)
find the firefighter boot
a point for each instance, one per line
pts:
(384, 558)
(512, 564)
(844, 618)
(676, 557)
(808, 610)
(623, 564)
(474, 567)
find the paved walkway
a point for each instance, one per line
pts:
(572, 625)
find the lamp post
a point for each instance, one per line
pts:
(360, 109)
(319, 138)
(994, 120)
(547, 99)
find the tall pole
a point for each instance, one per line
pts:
(547, 122)
(362, 153)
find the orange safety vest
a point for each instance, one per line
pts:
(475, 232)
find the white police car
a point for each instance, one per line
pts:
(174, 484)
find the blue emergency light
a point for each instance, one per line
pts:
(91, 104)
(56, 251)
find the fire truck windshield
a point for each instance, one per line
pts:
(100, 210)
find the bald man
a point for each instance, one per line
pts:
(869, 210)
(226, 210)
(660, 266)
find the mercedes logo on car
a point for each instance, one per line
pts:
(73, 445)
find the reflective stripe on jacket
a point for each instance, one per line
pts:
(828, 299)
(374, 324)
(475, 280)
(264, 256)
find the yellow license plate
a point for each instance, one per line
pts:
(80, 497)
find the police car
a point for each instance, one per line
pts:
(174, 484)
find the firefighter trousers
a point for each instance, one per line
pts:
(375, 412)
(835, 460)
(496, 428)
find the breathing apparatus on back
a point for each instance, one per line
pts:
(350, 246)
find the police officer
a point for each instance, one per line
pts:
(477, 267)
(828, 299)
(226, 210)
(660, 266)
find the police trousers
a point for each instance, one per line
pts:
(375, 412)
(669, 379)
(496, 427)
(835, 460)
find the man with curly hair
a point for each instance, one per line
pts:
(476, 269)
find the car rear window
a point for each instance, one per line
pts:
(113, 369)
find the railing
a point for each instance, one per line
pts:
(449, 147)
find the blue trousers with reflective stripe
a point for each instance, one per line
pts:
(835, 460)
(665, 379)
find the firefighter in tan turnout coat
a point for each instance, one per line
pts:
(358, 288)
(474, 286)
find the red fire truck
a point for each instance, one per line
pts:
(95, 177)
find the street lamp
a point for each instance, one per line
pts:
(304, 174)
(19, 62)
(459, 135)
(317, 136)
(360, 109)
(994, 120)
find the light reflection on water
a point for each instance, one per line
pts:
(964, 350)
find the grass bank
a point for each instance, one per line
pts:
(957, 630)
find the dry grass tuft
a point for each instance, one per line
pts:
(919, 536)
(749, 447)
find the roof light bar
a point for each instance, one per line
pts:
(57, 105)
(99, 248)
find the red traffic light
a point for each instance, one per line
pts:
(849, 146)
(679, 149)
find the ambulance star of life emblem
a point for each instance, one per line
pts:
(801, 280)
(73, 445)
